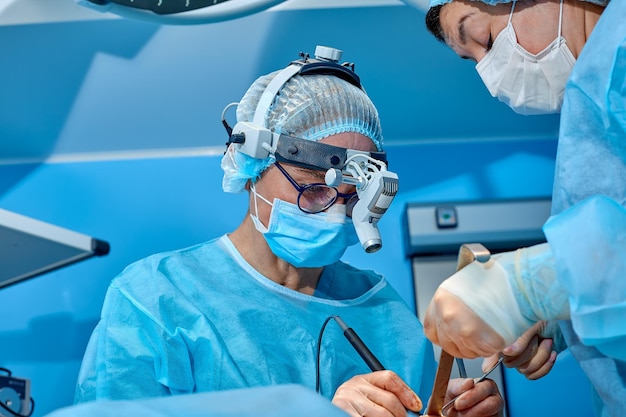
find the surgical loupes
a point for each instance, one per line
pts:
(375, 186)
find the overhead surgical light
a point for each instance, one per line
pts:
(180, 12)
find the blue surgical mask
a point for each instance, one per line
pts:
(306, 240)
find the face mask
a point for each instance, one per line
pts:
(528, 83)
(306, 240)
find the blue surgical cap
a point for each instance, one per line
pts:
(311, 107)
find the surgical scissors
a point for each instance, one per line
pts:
(476, 381)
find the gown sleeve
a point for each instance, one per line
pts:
(132, 355)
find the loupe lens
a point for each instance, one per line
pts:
(316, 198)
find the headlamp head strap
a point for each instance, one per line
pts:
(315, 155)
(325, 62)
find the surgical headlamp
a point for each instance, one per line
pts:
(367, 171)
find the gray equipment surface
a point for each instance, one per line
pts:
(30, 247)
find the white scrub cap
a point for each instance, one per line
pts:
(310, 107)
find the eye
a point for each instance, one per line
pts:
(489, 42)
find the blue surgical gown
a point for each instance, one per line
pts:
(587, 231)
(202, 319)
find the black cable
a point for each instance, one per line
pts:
(30, 413)
(317, 356)
(372, 362)
(368, 357)
(32, 401)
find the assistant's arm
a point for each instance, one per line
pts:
(578, 274)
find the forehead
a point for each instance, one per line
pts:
(469, 26)
(350, 140)
(457, 17)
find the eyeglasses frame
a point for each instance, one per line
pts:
(301, 188)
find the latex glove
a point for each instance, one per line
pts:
(474, 400)
(532, 354)
(381, 393)
(486, 306)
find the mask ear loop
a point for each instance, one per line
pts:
(255, 218)
(256, 208)
(560, 20)
(511, 15)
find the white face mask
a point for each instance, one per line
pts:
(528, 83)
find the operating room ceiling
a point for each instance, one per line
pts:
(79, 82)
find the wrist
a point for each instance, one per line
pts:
(531, 273)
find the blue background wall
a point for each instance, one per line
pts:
(111, 128)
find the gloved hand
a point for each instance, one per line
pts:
(485, 307)
(384, 393)
(376, 393)
(533, 354)
(472, 399)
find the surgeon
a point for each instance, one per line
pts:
(544, 57)
(256, 307)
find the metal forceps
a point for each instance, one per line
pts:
(468, 253)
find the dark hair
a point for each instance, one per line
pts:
(433, 24)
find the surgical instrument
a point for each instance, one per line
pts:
(360, 347)
(476, 381)
(461, 365)
(468, 253)
(363, 351)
